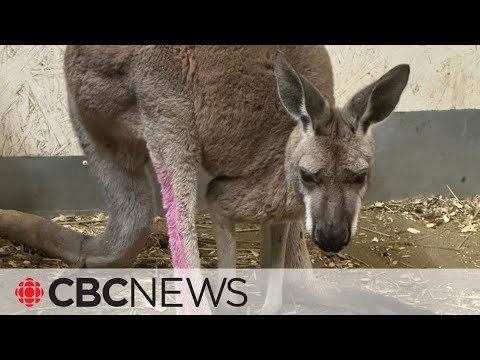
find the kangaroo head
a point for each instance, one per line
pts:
(330, 152)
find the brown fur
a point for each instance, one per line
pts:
(236, 112)
(112, 84)
(261, 120)
(179, 100)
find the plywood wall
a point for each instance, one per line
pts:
(34, 120)
(443, 77)
(33, 116)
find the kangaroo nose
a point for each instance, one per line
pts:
(331, 239)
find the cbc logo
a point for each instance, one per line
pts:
(29, 292)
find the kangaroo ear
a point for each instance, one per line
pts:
(378, 100)
(299, 97)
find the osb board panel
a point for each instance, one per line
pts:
(34, 119)
(443, 77)
(33, 114)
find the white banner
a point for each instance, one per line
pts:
(249, 291)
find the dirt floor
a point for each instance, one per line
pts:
(434, 232)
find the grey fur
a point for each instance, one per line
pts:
(377, 101)
(299, 97)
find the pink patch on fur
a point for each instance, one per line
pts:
(177, 248)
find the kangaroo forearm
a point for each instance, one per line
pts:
(296, 255)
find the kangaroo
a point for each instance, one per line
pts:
(261, 120)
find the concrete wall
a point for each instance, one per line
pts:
(34, 120)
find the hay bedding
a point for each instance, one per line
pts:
(426, 212)
(156, 253)
(433, 212)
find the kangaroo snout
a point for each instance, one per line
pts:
(331, 239)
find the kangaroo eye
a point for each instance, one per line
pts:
(359, 179)
(308, 177)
